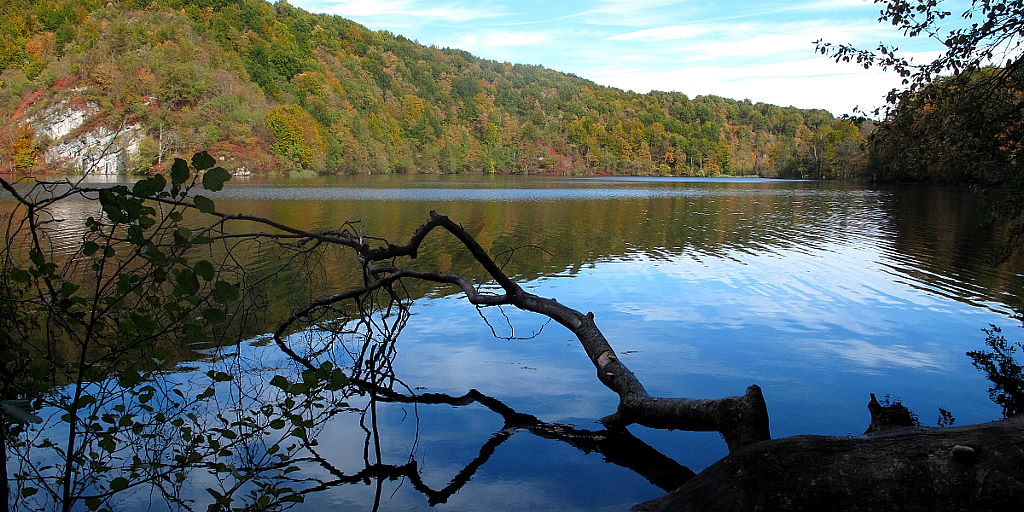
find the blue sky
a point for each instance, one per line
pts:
(763, 51)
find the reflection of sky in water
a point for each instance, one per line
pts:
(815, 304)
(817, 332)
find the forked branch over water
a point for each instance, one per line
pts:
(742, 420)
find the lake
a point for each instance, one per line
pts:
(821, 293)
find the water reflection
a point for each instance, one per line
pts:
(820, 293)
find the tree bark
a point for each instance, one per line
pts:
(970, 468)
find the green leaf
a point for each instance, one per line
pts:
(90, 248)
(204, 269)
(202, 161)
(204, 204)
(225, 292)
(179, 171)
(149, 187)
(68, 289)
(277, 424)
(186, 282)
(228, 434)
(37, 257)
(280, 382)
(28, 491)
(219, 376)
(119, 484)
(213, 180)
(158, 181)
(338, 380)
(19, 275)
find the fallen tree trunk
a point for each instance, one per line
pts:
(969, 468)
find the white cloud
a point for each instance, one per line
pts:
(501, 39)
(630, 13)
(809, 83)
(769, 62)
(663, 33)
(825, 5)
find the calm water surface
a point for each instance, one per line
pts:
(820, 293)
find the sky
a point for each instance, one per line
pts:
(746, 49)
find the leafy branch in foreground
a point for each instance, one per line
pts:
(992, 34)
(92, 413)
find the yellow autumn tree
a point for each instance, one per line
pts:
(298, 137)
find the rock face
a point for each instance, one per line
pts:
(78, 143)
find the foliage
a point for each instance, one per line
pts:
(91, 413)
(297, 137)
(962, 129)
(23, 151)
(1002, 370)
(232, 75)
(960, 118)
(991, 36)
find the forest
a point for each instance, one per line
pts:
(275, 88)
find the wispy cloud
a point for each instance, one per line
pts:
(502, 39)
(451, 12)
(631, 13)
(663, 33)
(808, 83)
(742, 44)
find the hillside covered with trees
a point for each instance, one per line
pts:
(274, 88)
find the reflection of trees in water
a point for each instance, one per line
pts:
(931, 237)
(250, 432)
(942, 238)
(115, 425)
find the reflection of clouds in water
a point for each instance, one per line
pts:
(722, 311)
(659, 312)
(800, 293)
(564, 387)
(872, 356)
(467, 323)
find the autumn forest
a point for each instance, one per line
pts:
(278, 89)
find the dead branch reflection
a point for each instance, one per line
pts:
(617, 445)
